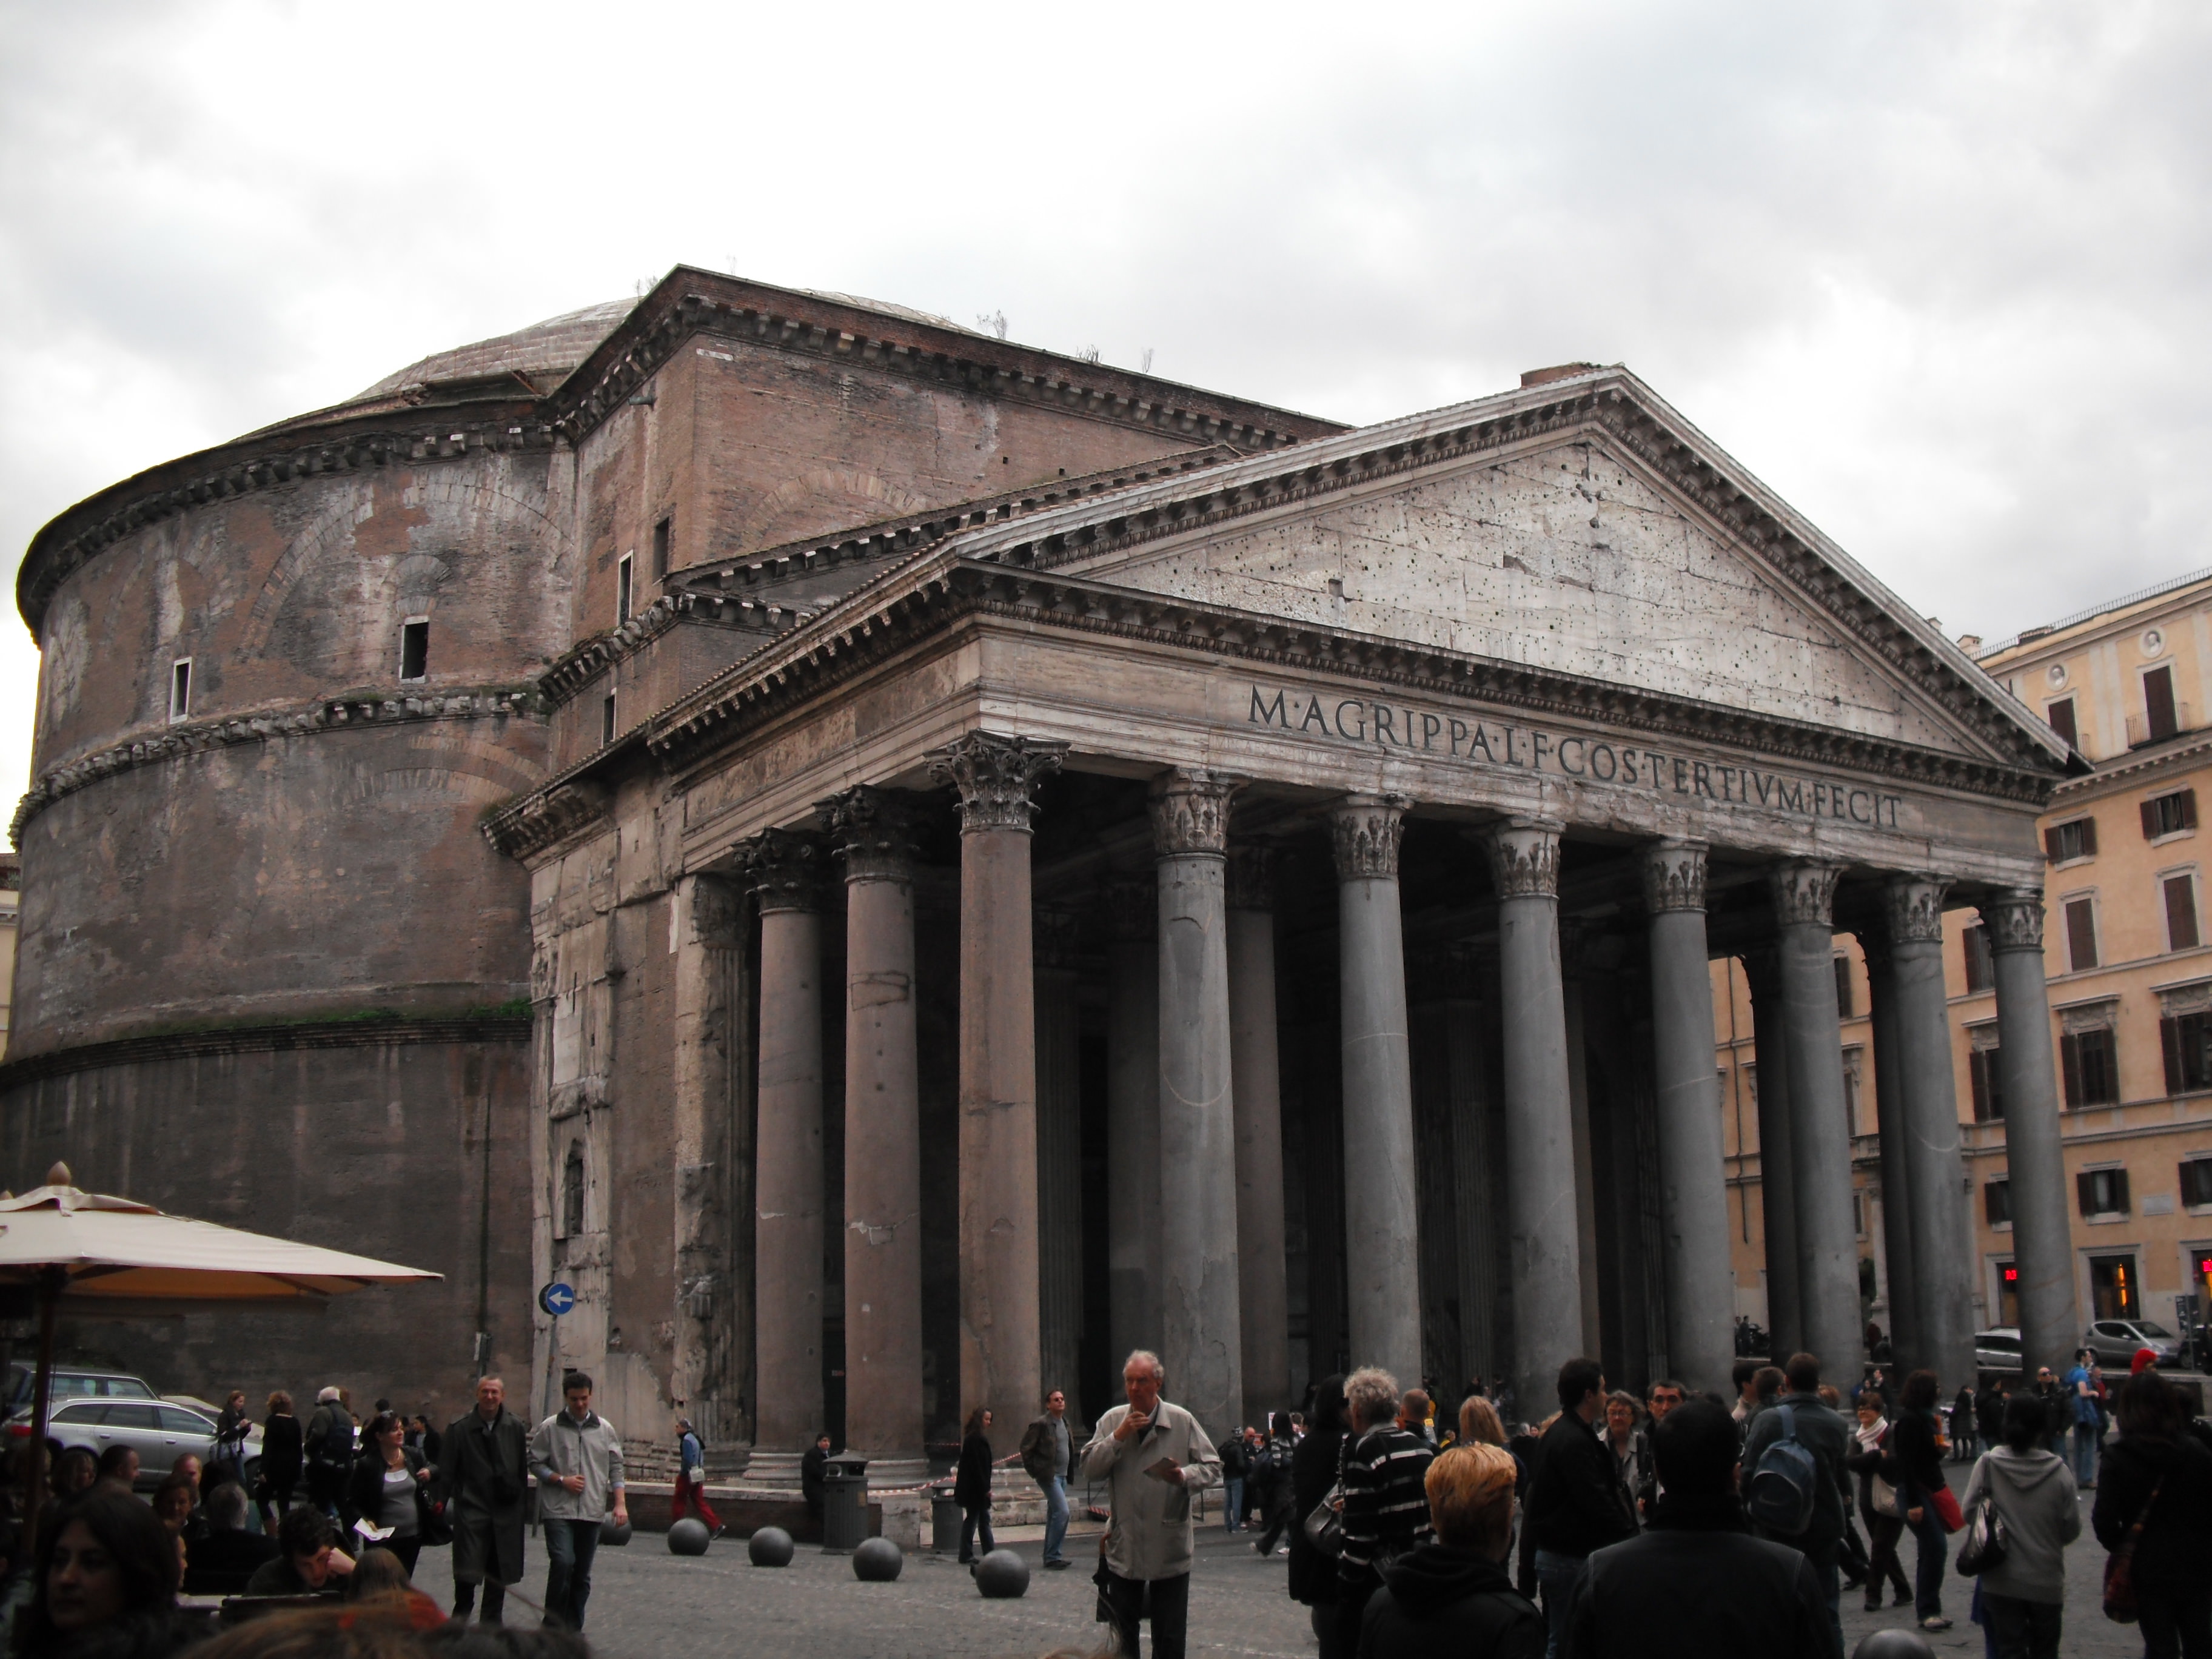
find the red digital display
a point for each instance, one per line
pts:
(2012, 1274)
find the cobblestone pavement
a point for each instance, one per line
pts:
(647, 1603)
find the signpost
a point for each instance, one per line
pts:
(555, 1300)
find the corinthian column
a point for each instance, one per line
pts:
(1896, 1152)
(1200, 1339)
(1541, 1214)
(883, 1137)
(1692, 1173)
(1804, 894)
(2034, 1162)
(787, 1158)
(1133, 1116)
(1000, 1356)
(709, 934)
(1778, 1179)
(1255, 1064)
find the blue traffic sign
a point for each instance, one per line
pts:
(557, 1299)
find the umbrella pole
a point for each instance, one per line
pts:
(34, 1465)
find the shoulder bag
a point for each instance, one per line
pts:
(1988, 1540)
(2120, 1570)
(1324, 1527)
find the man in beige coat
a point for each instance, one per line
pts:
(1153, 1456)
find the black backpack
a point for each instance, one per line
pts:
(334, 1450)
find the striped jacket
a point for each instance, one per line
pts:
(1386, 1506)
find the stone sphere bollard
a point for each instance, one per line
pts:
(1893, 1645)
(877, 1561)
(689, 1536)
(1002, 1574)
(770, 1547)
(614, 1534)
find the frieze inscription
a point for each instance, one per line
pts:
(1415, 731)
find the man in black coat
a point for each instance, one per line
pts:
(482, 1483)
(1697, 1583)
(813, 1467)
(1822, 1432)
(1576, 1503)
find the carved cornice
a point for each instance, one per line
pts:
(1804, 890)
(1133, 908)
(1253, 866)
(546, 817)
(1912, 906)
(1190, 812)
(996, 777)
(2015, 920)
(1674, 876)
(1366, 831)
(781, 866)
(1524, 857)
(873, 829)
(581, 665)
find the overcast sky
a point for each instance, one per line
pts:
(1936, 272)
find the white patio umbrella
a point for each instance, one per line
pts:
(91, 1252)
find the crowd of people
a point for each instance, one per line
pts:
(338, 1512)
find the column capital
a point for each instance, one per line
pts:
(874, 833)
(996, 776)
(1190, 811)
(1913, 907)
(781, 866)
(1804, 891)
(1367, 830)
(1133, 908)
(2013, 916)
(1674, 876)
(1524, 857)
(1252, 869)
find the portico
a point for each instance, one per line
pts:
(1395, 791)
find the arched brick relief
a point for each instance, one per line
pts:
(799, 507)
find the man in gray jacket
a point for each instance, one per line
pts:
(1153, 1456)
(577, 1456)
(1822, 1432)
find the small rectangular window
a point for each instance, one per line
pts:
(2102, 1191)
(1981, 967)
(2160, 716)
(2180, 913)
(607, 720)
(2197, 1183)
(2091, 1061)
(2081, 934)
(622, 591)
(2061, 716)
(414, 648)
(2169, 815)
(1844, 987)
(1988, 1087)
(180, 689)
(662, 533)
(1996, 1202)
(2187, 1041)
(2064, 842)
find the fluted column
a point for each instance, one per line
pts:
(2042, 1242)
(787, 1190)
(999, 1332)
(1381, 1265)
(1778, 1179)
(1693, 1175)
(1942, 1242)
(1132, 1115)
(709, 939)
(1804, 893)
(1201, 1336)
(1541, 1212)
(883, 1137)
(1059, 1151)
(1905, 1338)
(1256, 1070)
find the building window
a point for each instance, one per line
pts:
(607, 720)
(2160, 720)
(2064, 842)
(1996, 1202)
(414, 648)
(1981, 966)
(2092, 1063)
(2180, 912)
(2187, 1040)
(180, 688)
(2197, 1183)
(2169, 815)
(2112, 1287)
(2102, 1193)
(661, 535)
(572, 1191)
(1988, 1087)
(1858, 1212)
(1844, 987)
(2061, 716)
(622, 591)
(2081, 934)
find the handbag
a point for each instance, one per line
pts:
(1947, 1509)
(1988, 1540)
(1881, 1496)
(1324, 1527)
(2120, 1570)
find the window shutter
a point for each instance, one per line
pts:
(2121, 1203)
(2188, 809)
(2088, 838)
(2169, 1039)
(2085, 1192)
(2149, 810)
(2051, 845)
(2070, 1055)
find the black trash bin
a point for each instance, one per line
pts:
(944, 1521)
(844, 1504)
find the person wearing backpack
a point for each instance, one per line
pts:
(2034, 1493)
(329, 1443)
(1795, 1479)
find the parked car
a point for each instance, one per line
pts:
(159, 1431)
(71, 1384)
(2116, 1341)
(1997, 1351)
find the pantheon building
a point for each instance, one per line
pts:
(902, 866)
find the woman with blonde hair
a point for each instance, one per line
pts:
(1452, 1597)
(1478, 1422)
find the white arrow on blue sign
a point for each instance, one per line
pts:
(557, 1299)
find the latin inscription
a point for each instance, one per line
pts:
(1366, 722)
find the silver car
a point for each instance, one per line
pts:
(1997, 1351)
(159, 1432)
(2115, 1341)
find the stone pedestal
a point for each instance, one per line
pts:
(999, 1323)
(788, 1183)
(1255, 1065)
(1132, 1115)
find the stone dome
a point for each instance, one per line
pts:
(544, 352)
